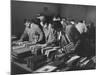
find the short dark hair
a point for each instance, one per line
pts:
(27, 20)
(81, 21)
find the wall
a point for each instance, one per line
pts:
(21, 10)
(79, 12)
(76, 12)
(91, 14)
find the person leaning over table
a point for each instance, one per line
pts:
(72, 36)
(45, 22)
(74, 32)
(33, 31)
(85, 48)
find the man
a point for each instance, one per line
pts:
(73, 32)
(71, 36)
(49, 32)
(33, 31)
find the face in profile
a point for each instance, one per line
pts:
(27, 24)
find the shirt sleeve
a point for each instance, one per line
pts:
(24, 34)
(41, 35)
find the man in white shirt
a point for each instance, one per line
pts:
(33, 31)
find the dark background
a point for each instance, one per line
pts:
(21, 10)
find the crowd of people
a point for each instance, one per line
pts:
(72, 36)
(46, 29)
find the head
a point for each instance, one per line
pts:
(56, 18)
(72, 21)
(27, 22)
(62, 21)
(41, 17)
(82, 27)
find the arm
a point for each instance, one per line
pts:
(51, 38)
(23, 35)
(41, 35)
